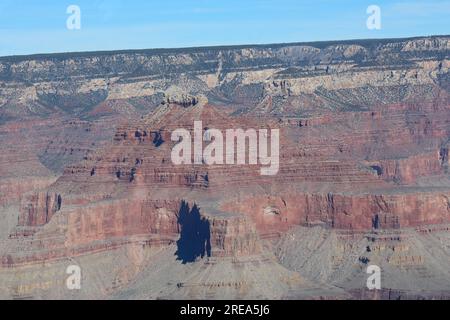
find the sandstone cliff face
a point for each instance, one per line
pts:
(106, 225)
(40, 209)
(121, 219)
(346, 211)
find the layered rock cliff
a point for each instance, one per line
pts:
(280, 79)
(86, 170)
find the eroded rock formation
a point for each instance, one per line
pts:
(86, 171)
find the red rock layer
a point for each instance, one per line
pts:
(345, 211)
(343, 170)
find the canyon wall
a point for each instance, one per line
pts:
(85, 165)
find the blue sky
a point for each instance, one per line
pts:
(32, 26)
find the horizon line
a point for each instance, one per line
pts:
(210, 47)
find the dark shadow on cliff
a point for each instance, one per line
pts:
(195, 234)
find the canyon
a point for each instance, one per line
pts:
(86, 176)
